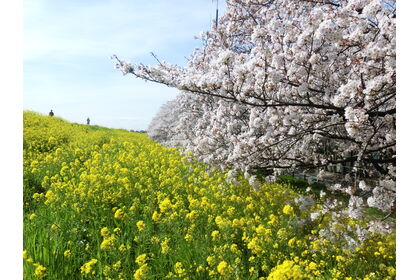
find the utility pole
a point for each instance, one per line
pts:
(217, 11)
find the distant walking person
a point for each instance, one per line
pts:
(51, 113)
(88, 121)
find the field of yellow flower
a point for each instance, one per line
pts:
(111, 204)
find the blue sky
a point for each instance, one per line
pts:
(67, 45)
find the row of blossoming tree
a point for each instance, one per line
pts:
(291, 84)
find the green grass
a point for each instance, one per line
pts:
(78, 178)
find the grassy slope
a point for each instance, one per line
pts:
(95, 199)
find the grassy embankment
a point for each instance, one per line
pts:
(111, 204)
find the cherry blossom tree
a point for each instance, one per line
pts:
(283, 84)
(306, 73)
(162, 126)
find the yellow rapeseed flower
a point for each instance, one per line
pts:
(108, 242)
(391, 271)
(141, 259)
(224, 268)
(288, 270)
(119, 214)
(222, 223)
(165, 205)
(179, 269)
(116, 265)
(340, 258)
(288, 210)
(67, 253)
(165, 246)
(40, 271)
(211, 260)
(141, 273)
(188, 237)
(215, 235)
(192, 215)
(117, 230)
(291, 243)
(254, 246)
(312, 266)
(122, 248)
(87, 268)
(155, 216)
(154, 239)
(140, 225)
(105, 232)
(261, 230)
(234, 249)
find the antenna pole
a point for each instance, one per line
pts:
(217, 12)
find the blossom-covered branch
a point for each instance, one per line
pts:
(283, 84)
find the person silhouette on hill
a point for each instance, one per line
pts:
(51, 113)
(88, 121)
